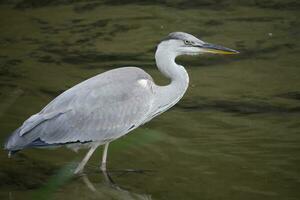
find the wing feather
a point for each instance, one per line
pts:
(101, 108)
(37, 119)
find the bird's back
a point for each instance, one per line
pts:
(101, 109)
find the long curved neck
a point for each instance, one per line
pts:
(165, 61)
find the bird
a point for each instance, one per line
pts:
(111, 104)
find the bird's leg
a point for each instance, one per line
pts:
(104, 156)
(85, 159)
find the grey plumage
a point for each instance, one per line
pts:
(109, 105)
(181, 36)
(98, 109)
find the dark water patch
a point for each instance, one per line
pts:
(98, 35)
(44, 26)
(53, 49)
(278, 4)
(294, 125)
(24, 173)
(48, 29)
(122, 28)
(204, 32)
(139, 2)
(62, 53)
(72, 26)
(265, 52)
(94, 57)
(99, 23)
(260, 52)
(86, 7)
(4, 86)
(183, 4)
(6, 2)
(73, 56)
(10, 85)
(47, 59)
(290, 95)
(52, 93)
(240, 44)
(81, 27)
(213, 22)
(40, 21)
(44, 56)
(205, 4)
(30, 40)
(294, 28)
(7, 41)
(76, 21)
(13, 62)
(143, 2)
(3, 57)
(8, 68)
(259, 43)
(236, 107)
(256, 19)
(30, 4)
(83, 40)
(143, 18)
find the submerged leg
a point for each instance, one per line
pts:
(86, 159)
(104, 156)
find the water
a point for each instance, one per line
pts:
(234, 135)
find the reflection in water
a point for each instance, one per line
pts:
(112, 189)
(65, 185)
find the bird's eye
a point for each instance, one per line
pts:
(187, 42)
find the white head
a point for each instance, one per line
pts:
(180, 43)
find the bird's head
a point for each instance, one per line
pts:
(186, 44)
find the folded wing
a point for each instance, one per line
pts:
(102, 109)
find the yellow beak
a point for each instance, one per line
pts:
(217, 49)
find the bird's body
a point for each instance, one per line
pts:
(107, 106)
(96, 110)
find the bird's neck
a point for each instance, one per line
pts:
(165, 61)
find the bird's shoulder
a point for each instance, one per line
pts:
(118, 75)
(111, 86)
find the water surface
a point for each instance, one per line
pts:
(234, 135)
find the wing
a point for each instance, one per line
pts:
(101, 108)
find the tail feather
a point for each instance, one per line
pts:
(15, 142)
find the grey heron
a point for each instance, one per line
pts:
(111, 104)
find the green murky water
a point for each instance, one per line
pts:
(235, 134)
